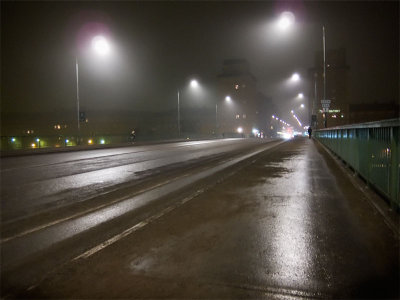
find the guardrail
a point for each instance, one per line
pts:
(371, 150)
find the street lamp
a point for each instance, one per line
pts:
(193, 84)
(101, 47)
(285, 20)
(300, 95)
(295, 77)
(228, 99)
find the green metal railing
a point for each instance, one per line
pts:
(372, 150)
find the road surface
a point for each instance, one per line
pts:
(64, 203)
(226, 219)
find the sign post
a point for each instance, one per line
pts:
(325, 108)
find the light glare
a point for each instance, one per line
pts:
(194, 83)
(100, 45)
(295, 77)
(286, 19)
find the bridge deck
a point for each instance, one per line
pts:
(292, 224)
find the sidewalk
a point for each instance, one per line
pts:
(291, 225)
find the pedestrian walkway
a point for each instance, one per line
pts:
(290, 225)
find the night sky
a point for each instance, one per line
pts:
(158, 46)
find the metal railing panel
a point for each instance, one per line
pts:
(372, 150)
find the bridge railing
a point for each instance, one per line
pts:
(371, 150)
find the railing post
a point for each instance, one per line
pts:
(394, 166)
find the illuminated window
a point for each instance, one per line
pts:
(244, 116)
(236, 86)
(237, 116)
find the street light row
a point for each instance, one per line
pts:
(281, 121)
(102, 48)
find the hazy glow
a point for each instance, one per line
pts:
(100, 45)
(240, 130)
(102, 141)
(90, 142)
(284, 135)
(228, 99)
(194, 83)
(295, 77)
(302, 105)
(300, 95)
(286, 19)
(13, 139)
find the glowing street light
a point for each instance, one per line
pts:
(300, 95)
(302, 105)
(285, 20)
(193, 84)
(100, 45)
(102, 48)
(295, 77)
(228, 99)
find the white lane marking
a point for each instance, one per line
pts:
(55, 222)
(34, 229)
(135, 227)
(42, 239)
(147, 221)
(139, 149)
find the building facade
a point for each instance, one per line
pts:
(242, 109)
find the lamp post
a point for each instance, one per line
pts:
(193, 84)
(101, 47)
(77, 94)
(324, 54)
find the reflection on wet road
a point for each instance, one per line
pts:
(31, 183)
(287, 226)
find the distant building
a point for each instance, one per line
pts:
(241, 107)
(336, 89)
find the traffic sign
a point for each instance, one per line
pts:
(325, 105)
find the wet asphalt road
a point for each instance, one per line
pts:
(289, 225)
(56, 206)
(33, 183)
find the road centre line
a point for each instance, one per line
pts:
(32, 230)
(90, 210)
(165, 211)
(157, 147)
(40, 240)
